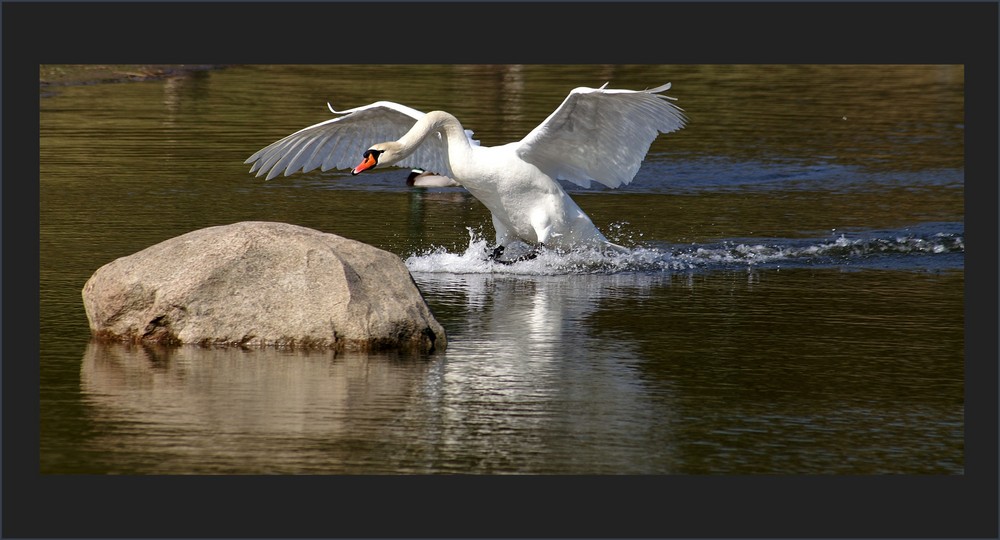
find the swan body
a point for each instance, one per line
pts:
(595, 135)
(422, 178)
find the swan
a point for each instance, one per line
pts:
(422, 178)
(595, 135)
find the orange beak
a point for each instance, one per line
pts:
(365, 164)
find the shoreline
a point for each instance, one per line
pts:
(57, 75)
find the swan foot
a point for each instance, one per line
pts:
(498, 252)
(495, 255)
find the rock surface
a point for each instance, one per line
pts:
(256, 284)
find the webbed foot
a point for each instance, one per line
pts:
(529, 255)
(498, 252)
(495, 254)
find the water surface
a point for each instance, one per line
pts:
(792, 301)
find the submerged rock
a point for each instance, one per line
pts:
(256, 284)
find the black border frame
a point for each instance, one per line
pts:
(34, 505)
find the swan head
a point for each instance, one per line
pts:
(379, 154)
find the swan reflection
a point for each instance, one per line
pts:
(528, 361)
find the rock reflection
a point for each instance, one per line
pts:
(191, 409)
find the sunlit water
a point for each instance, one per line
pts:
(790, 299)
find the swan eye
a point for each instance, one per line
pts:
(374, 154)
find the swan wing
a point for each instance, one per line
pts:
(601, 134)
(339, 143)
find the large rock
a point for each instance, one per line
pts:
(262, 284)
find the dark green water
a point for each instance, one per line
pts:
(793, 301)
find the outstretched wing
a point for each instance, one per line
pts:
(601, 134)
(340, 142)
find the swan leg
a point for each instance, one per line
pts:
(542, 224)
(503, 235)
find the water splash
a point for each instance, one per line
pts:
(892, 249)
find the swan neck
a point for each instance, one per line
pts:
(433, 122)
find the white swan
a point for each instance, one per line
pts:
(596, 134)
(422, 178)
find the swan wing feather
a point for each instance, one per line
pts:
(340, 142)
(601, 134)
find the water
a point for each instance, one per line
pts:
(791, 300)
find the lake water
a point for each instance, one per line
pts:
(792, 301)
